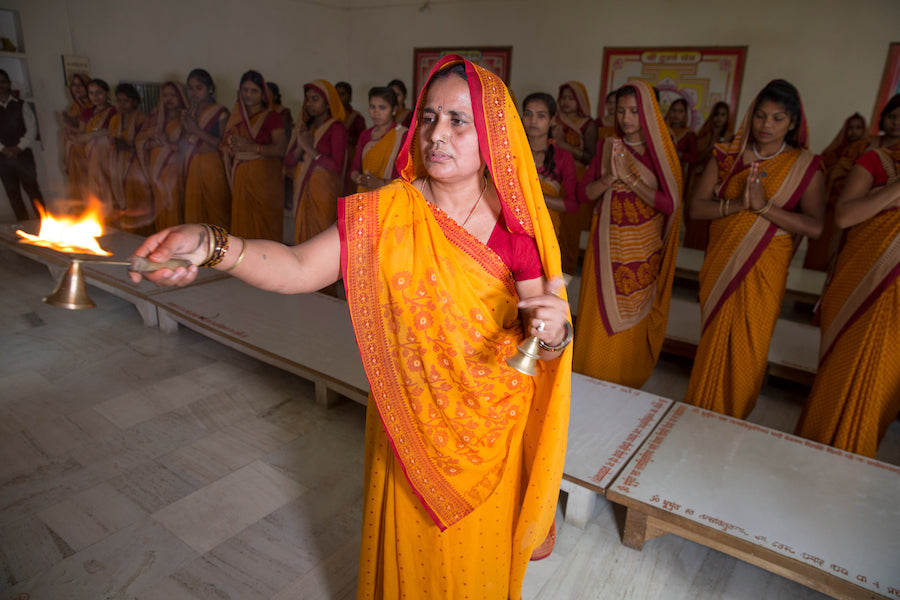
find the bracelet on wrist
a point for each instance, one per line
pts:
(240, 256)
(567, 339)
(218, 245)
(765, 208)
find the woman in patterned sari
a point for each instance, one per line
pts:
(848, 145)
(317, 155)
(856, 394)
(160, 152)
(253, 147)
(445, 272)
(375, 161)
(132, 198)
(626, 284)
(762, 188)
(576, 133)
(95, 142)
(207, 198)
(74, 120)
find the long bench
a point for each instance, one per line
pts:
(825, 518)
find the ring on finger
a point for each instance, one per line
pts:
(541, 326)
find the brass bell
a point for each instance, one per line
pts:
(71, 292)
(525, 360)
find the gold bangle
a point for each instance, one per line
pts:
(721, 207)
(218, 245)
(240, 256)
(765, 208)
(727, 206)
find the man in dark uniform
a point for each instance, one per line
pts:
(18, 131)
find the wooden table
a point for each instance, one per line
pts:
(825, 518)
(607, 425)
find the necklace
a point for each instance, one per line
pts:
(780, 150)
(474, 206)
(633, 144)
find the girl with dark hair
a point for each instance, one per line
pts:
(634, 186)
(74, 120)
(838, 158)
(374, 163)
(404, 115)
(555, 166)
(757, 192)
(887, 124)
(253, 145)
(160, 151)
(678, 118)
(131, 194)
(606, 120)
(94, 146)
(207, 198)
(284, 111)
(316, 157)
(856, 394)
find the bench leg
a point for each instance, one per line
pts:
(579, 504)
(166, 323)
(325, 396)
(639, 529)
(148, 313)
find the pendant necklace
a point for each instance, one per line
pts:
(765, 158)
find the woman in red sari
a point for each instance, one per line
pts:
(626, 284)
(207, 198)
(446, 271)
(317, 156)
(678, 120)
(253, 146)
(576, 133)
(74, 120)
(717, 129)
(131, 193)
(761, 189)
(375, 161)
(856, 394)
(160, 152)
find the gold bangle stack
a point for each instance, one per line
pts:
(240, 256)
(218, 245)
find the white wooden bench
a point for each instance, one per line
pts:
(310, 335)
(825, 518)
(607, 425)
(109, 278)
(803, 285)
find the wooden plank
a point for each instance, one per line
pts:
(310, 335)
(823, 517)
(607, 424)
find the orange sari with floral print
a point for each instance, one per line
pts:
(628, 270)
(464, 455)
(743, 278)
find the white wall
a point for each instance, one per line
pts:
(833, 50)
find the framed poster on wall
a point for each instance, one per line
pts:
(890, 83)
(75, 64)
(496, 59)
(702, 75)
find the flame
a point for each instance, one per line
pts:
(69, 234)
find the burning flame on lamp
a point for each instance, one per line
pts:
(69, 234)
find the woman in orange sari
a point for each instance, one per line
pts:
(606, 124)
(404, 115)
(253, 147)
(317, 155)
(576, 133)
(131, 195)
(555, 166)
(94, 142)
(277, 107)
(626, 283)
(445, 271)
(160, 152)
(74, 120)
(856, 394)
(762, 188)
(207, 198)
(848, 145)
(374, 163)
(718, 128)
(678, 120)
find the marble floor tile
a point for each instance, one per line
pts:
(152, 486)
(91, 515)
(28, 548)
(56, 435)
(218, 511)
(332, 579)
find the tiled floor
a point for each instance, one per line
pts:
(167, 467)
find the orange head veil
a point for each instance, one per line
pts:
(581, 96)
(840, 140)
(327, 91)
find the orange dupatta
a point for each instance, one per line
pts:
(379, 156)
(156, 124)
(435, 316)
(574, 130)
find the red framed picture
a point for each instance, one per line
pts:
(702, 75)
(496, 59)
(890, 83)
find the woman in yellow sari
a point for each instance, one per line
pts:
(576, 133)
(838, 158)
(131, 195)
(253, 147)
(856, 394)
(207, 198)
(717, 129)
(74, 120)
(760, 189)
(160, 152)
(445, 271)
(94, 142)
(375, 160)
(317, 155)
(626, 283)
